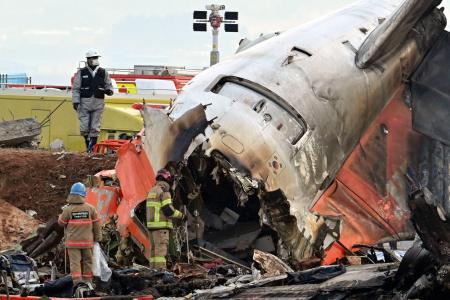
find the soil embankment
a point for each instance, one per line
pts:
(41, 180)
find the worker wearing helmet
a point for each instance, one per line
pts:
(160, 213)
(90, 85)
(82, 229)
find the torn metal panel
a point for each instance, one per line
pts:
(430, 92)
(136, 176)
(106, 200)
(135, 173)
(371, 186)
(166, 141)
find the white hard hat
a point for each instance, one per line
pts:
(92, 53)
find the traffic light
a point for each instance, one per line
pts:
(231, 15)
(215, 20)
(199, 26)
(231, 28)
(200, 14)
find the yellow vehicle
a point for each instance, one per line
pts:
(53, 108)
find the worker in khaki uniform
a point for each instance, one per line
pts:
(160, 213)
(90, 85)
(82, 229)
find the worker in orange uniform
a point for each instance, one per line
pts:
(82, 229)
(160, 213)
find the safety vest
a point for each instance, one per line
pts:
(157, 200)
(90, 85)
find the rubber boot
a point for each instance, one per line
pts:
(86, 141)
(92, 142)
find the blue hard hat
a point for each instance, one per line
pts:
(78, 189)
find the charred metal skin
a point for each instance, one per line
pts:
(289, 110)
(390, 35)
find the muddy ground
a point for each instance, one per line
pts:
(40, 180)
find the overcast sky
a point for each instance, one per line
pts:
(47, 38)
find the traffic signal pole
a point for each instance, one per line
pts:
(215, 19)
(215, 56)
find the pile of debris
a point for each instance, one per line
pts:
(20, 133)
(15, 225)
(223, 251)
(206, 274)
(202, 279)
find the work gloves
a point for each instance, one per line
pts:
(75, 106)
(106, 91)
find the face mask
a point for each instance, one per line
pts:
(94, 62)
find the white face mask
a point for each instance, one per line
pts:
(94, 62)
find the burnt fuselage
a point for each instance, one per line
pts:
(290, 110)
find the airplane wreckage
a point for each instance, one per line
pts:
(325, 139)
(319, 124)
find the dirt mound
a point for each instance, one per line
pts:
(15, 225)
(41, 180)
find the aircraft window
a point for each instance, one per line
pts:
(240, 93)
(273, 109)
